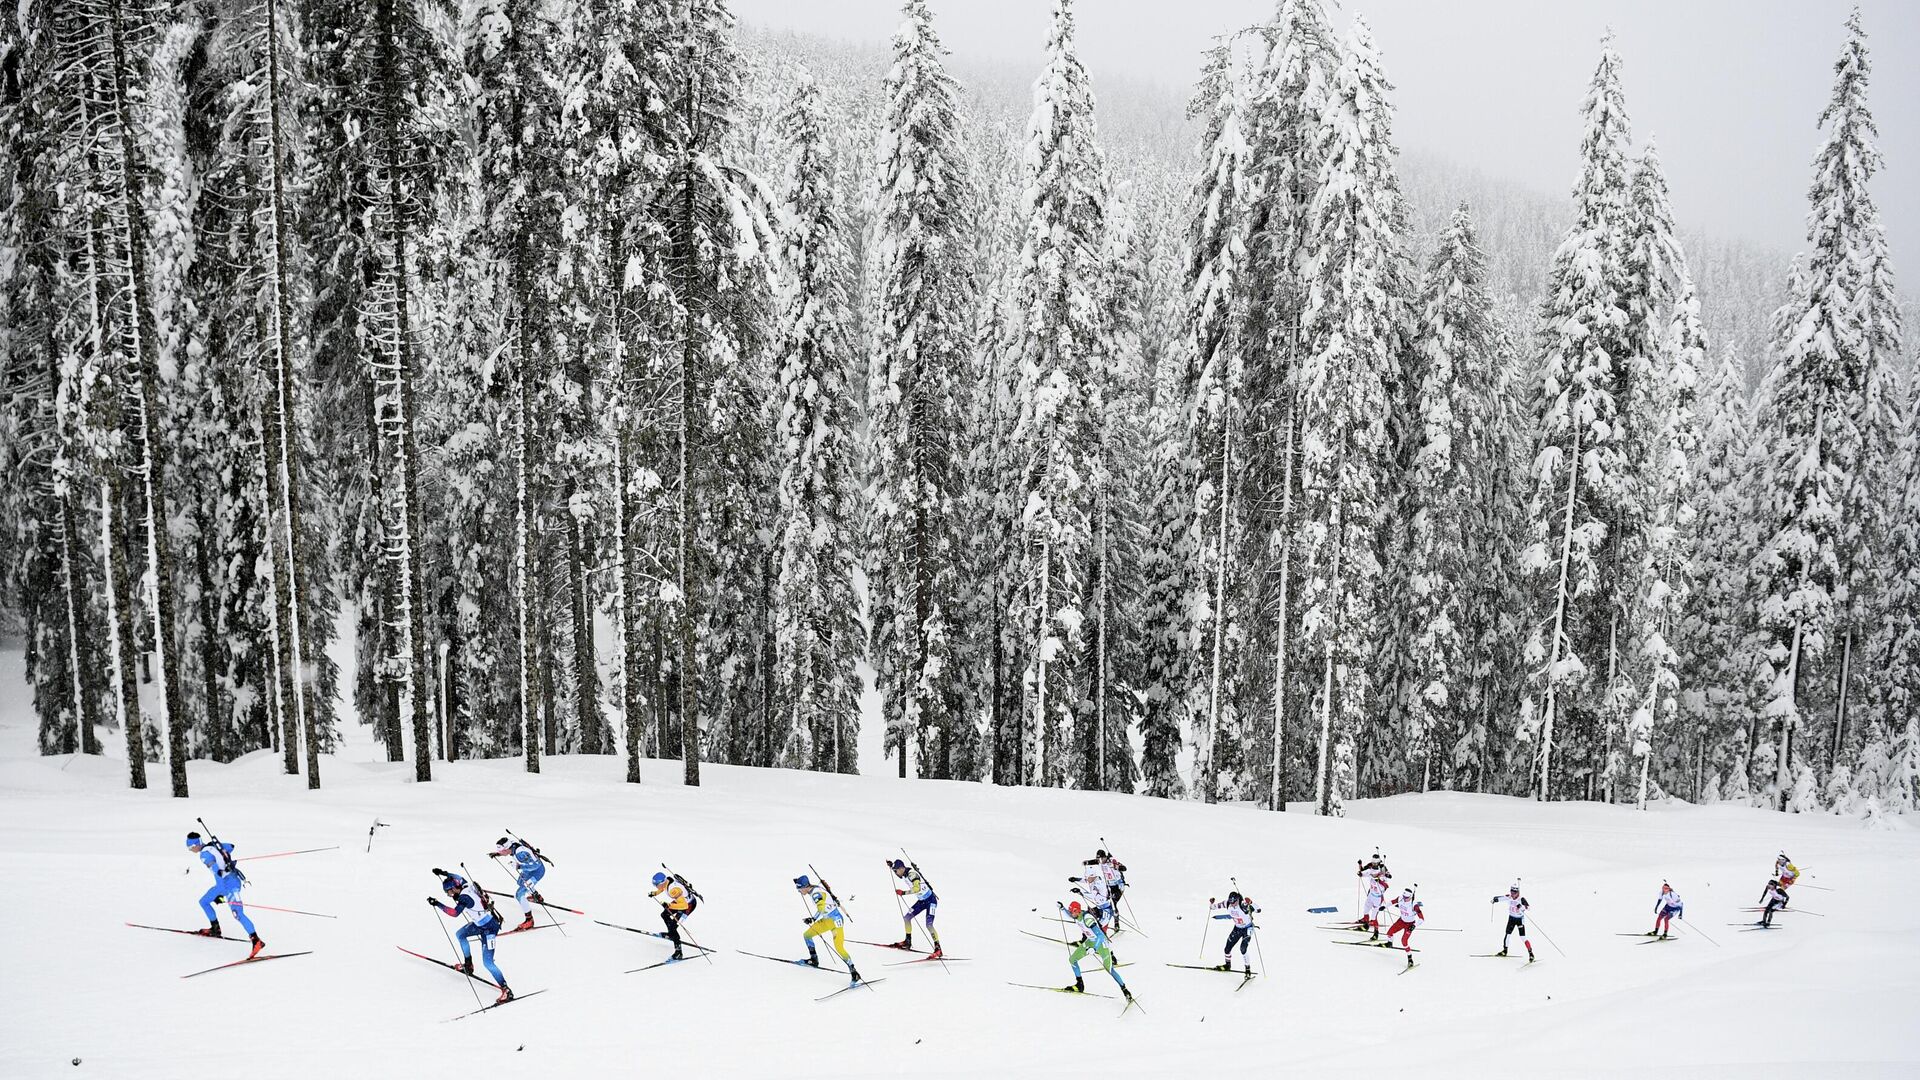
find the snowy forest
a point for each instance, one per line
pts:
(523, 379)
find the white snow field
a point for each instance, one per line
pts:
(1827, 995)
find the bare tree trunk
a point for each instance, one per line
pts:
(1282, 643)
(85, 713)
(1561, 598)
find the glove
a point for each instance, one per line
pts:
(1211, 900)
(806, 920)
(898, 892)
(219, 899)
(432, 903)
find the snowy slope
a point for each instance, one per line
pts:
(1826, 996)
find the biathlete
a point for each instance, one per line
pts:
(227, 883)
(910, 882)
(676, 908)
(529, 866)
(1666, 908)
(1409, 917)
(472, 905)
(1774, 896)
(1093, 939)
(1377, 885)
(1240, 910)
(827, 918)
(1516, 920)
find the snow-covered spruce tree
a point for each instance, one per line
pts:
(1212, 489)
(711, 232)
(120, 36)
(1059, 337)
(1670, 541)
(1892, 760)
(924, 304)
(1349, 333)
(1718, 665)
(1580, 468)
(817, 636)
(1453, 396)
(1821, 428)
(1287, 101)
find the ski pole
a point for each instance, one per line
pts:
(289, 911)
(377, 824)
(1206, 924)
(1696, 930)
(1549, 940)
(457, 957)
(897, 905)
(278, 854)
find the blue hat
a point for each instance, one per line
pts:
(193, 840)
(452, 882)
(898, 865)
(801, 882)
(659, 879)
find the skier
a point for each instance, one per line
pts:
(1377, 886)
(1371, 871)
(1666, 908)
(227, 883)
(1113, 874)
(679, 904)
(1774, 896)
(1093, 939)
(1092, 887)
(924, 903)
(1409, 918)
(475, 908)
(1785, 872)
(827, 918)
(1516, 920)
(528, 869)
(1240, 909)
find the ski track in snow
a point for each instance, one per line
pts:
(1825, 997)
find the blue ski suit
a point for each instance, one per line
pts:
(227, 883)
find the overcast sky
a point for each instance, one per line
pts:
(1732, 88)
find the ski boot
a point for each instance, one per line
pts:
(812, 960)
(536, 897)
(1126, 993)
(1409, 959)
(1228, 966)
(855, 973)
(212, 930)
(506, 995)
(1530, 956)
(905, 942)
(936, 953)
(466, 965)
(525, 924)
(257, 945)
(1502, 952)
(677, 954)
(1079, 986)
(1653, 933)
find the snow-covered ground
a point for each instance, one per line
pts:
(1828, 995)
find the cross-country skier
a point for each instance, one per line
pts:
(1516, 920)
(924, 903)
(1241, 910)
(676, 908)
(1774, 896)
(1410, 916)
(1785, 872)
(1092, 887)
(475, 909)
(1371, 871)
(1666, 908)
(827, 918)
(1377, 886)
(227, 883)
(528, 869)
(1113, 873)
(1093, 939)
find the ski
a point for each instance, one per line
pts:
(515, 891)
(650, 967)
(249, 960)
(1644, 933)
(1751, 929)
(1244, 982)
(1203, 967)
(1788, 911)
(1062, 990)
(1350, 929)
(1493, 955)
(1369, 944)
(784, 960)
(652, 934)
(1406, 969)
(851, 986)
(894, 945)
(449, 966)
(524, 929)
(495, 1005)
(1658, 940)
(189, 933)
(928, 960)
(1044, 937)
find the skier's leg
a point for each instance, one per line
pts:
(1106, 961)
(1078, 954)
(840, 943)
(239, 909)
(486, 957)
(206, 902)
(932, 906)
(814, 930)
(462, 935)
